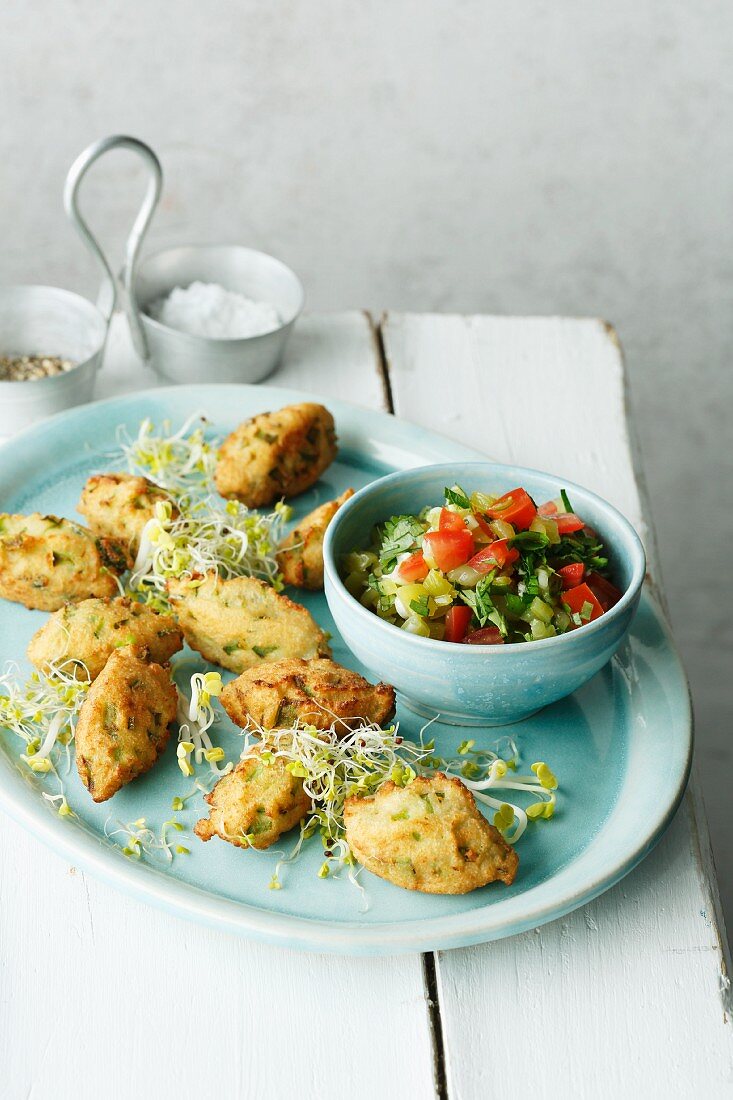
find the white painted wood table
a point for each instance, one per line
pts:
(102, 997)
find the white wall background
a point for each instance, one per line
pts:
(474, 155)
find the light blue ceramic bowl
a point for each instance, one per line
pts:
(478, 685)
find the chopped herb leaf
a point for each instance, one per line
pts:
(399, 535)
(480, 601)
(420, 606)
(457, 496)
(581, 547)
(530, 540)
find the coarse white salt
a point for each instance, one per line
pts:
(207, 309)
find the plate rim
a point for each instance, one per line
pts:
(191, 902)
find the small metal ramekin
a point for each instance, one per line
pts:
(45, 320)
(183, 357)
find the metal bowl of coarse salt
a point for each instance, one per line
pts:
(213, 313)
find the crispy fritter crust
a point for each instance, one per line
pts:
(315, 693)
(123, 723)
(119, 505)
(46, 561)
(91, 630)
(428, 836)
(256, 800)
(300, 556)
(243, 622)
(276, 454)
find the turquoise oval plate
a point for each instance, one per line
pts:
(621, 746)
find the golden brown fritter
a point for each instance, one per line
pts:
(300, 556)
(119, 506)
(276, 454)
(243, 622)
(255, 804)
(91, 630)
(315, 693)
(428, 836)
(46, 561)
(123, 723)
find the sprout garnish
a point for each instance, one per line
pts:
(484, 773)
(195, 718)
(43, 710)
(334, 767)
(179, 461)
(196, 531)
(198, 536)
(138, 838)
(63, 809)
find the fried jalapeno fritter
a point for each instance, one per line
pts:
(300, 556)
(119, 506)
(316, 693)
(255, 804)
(124, 722)
(46, 562)
(242, 622)
(277, 454)
(428, 836)
(90, 631)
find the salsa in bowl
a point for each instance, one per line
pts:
(490, 557)
(484, 569)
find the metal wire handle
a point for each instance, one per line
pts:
(71, 194)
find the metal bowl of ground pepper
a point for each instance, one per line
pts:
(51, 344)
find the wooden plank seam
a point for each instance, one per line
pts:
(429, 962)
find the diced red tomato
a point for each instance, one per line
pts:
(450, 521)
(456, 622)
(567, 523)
(580, 595)
(497, 555)
(571, 574)
(447, 550)
(516, 507)
(413, 569)
(606, 593)
(487, 635)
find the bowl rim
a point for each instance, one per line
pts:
(497, 652)
(195, 338)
